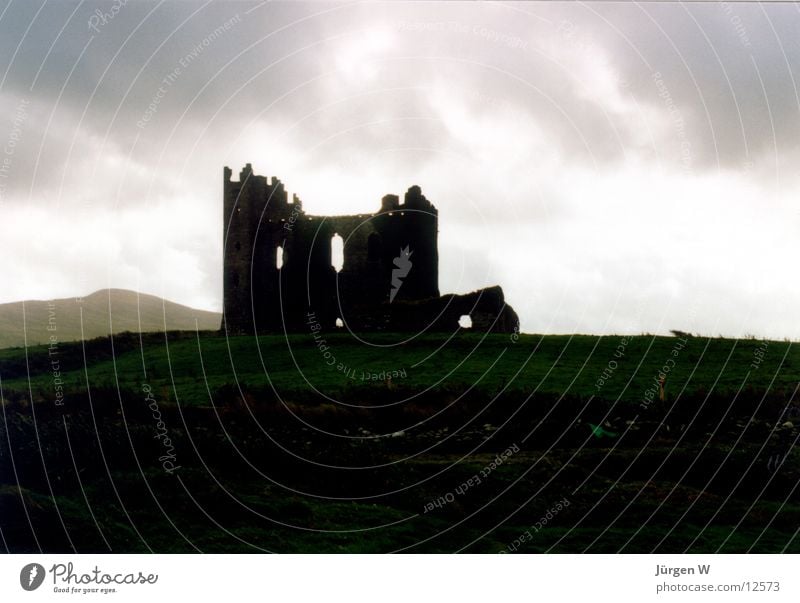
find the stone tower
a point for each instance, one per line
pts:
(278, 270)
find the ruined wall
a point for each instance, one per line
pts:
(277, 264)
(254, 211)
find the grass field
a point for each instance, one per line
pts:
(284, 444)
(612, 367)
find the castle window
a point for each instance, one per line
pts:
(465, 322)
(339, 323)
(337, 252)
(279, 257)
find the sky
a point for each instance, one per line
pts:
(615, 167)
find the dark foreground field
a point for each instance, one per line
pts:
(188, 442)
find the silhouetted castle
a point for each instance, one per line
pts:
(278, 271)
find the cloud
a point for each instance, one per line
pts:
(614, 167)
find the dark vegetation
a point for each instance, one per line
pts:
(278, 450)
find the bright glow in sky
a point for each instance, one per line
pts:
(615, 167)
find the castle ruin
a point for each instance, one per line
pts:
(278, 267)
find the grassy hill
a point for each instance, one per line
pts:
(285, 444)
(614, 368)
(102, 311)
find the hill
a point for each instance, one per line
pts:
(195, 441)
(96, 315)
(619, 369)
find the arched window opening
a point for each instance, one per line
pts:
(337, 252)
(279, 257)
(465, 322)
(339, 323)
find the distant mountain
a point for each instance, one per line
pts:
(103, 311)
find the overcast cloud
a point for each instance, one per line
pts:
(615, 167)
